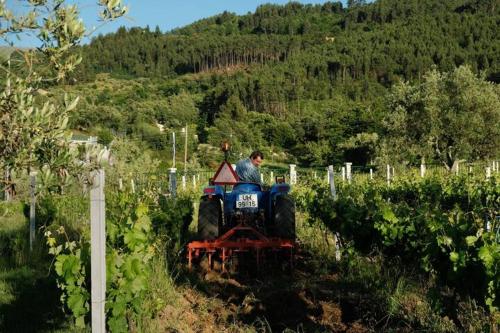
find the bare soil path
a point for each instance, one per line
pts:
(278, 299)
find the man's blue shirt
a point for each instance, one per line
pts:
(247, 172)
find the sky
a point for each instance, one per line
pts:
(167, 14)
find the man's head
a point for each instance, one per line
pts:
(256, 157)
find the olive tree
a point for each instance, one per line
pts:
(446, 118)
(33, 128)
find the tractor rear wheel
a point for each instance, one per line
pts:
(209, 219)
(284, 217)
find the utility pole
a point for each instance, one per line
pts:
(173, 145)
(185, 149)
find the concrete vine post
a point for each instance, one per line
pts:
(333, 191)
(331, 182)
(32, 208)
(293, 174)
(173, 182)
(388, 175)
(348, 168)
(98, 252)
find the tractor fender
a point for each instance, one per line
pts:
(213, 191)
(275, 191)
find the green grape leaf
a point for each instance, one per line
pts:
(470, 240)
(486, 256)
(389, 215)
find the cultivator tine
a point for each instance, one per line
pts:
(223, 259)
(227, 245)
(210, 261)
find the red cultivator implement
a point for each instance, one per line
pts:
(229, 244)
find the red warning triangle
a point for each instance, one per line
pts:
(225, 175)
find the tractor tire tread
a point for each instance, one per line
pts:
(284, 217)
(209, 219)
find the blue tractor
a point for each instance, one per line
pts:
(270, 212)
(239, 216)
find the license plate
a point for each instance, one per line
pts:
(247, 201)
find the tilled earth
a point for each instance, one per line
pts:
(277, 298)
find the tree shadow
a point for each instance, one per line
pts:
(34, 304)
(29, 296)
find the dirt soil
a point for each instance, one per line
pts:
(277, 298)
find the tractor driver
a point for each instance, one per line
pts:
(248, 168)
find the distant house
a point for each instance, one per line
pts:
(160, 127)
(81, 139)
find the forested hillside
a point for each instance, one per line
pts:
(380, 41)
(311, 80)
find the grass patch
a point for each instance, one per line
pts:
(29, 298)
(13, 233)
(29, 301)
